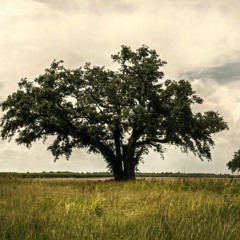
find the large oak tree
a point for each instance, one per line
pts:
(119, 114)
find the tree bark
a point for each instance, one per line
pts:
(129, 169)
(126, 173)
(118, 166)
(118, 172)
(123, 163)
(129, 163)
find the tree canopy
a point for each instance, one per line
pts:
(234, 164)
(119, 114)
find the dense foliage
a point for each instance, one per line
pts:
(234, 164)
(119, 114)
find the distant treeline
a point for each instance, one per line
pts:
(55, 174)
(107, 174)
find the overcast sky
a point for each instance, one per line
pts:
(199, 39)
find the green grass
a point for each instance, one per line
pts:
(173, 208)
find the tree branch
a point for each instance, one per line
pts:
(152, 140)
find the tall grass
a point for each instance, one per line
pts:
(174, 208)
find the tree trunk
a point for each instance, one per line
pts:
(126, 173)
(117, 169)
(129, 169)
(129, 163)
(118, 174)
(123, 165)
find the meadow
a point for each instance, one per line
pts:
(161, 208)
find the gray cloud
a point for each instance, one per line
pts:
(224, 73)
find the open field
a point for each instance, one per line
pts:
(168, 208)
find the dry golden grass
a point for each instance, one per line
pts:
(173, 208)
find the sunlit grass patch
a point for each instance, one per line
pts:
(156, 209)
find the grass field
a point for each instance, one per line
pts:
(166, 208)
